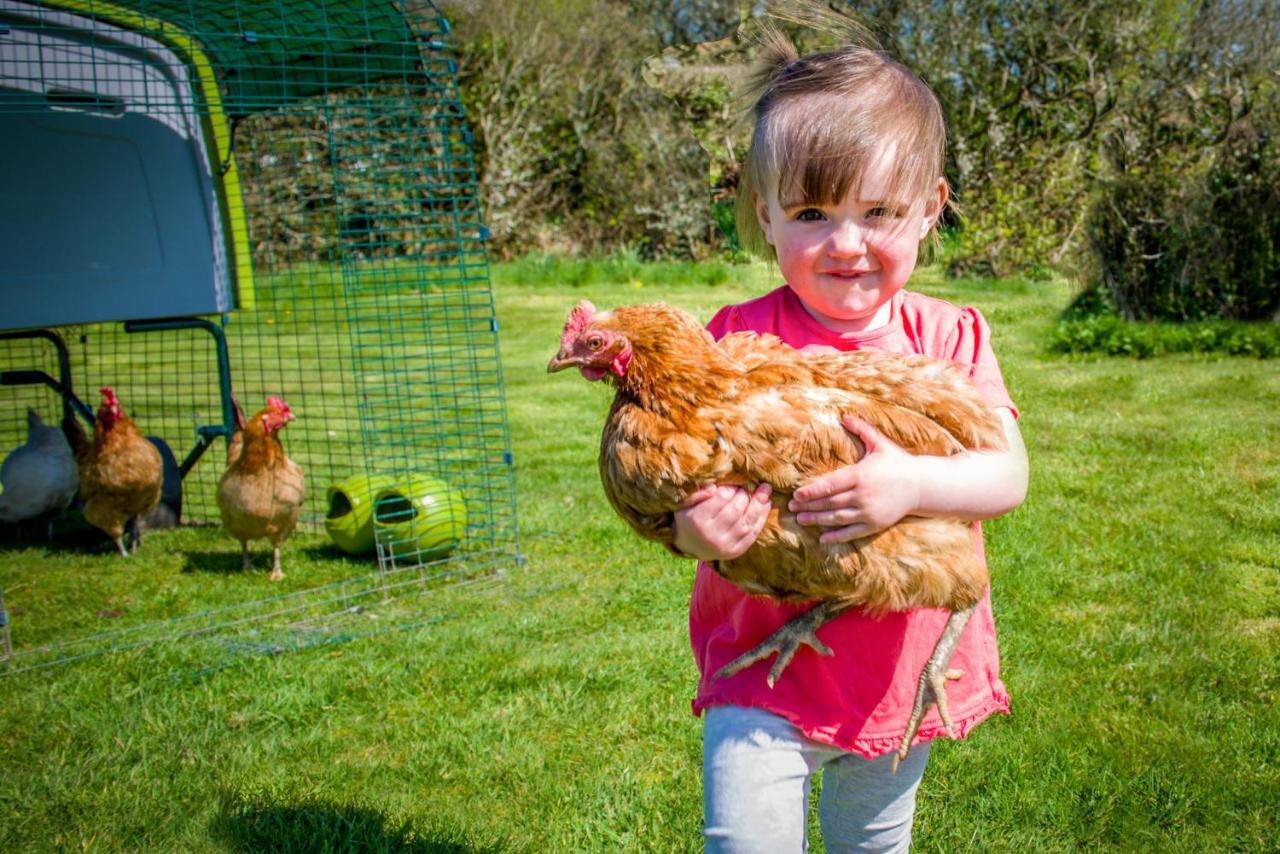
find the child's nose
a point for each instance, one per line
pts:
(847, 238)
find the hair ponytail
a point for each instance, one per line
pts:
(777, 52)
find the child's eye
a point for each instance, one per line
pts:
(810, 215)
(884, 213)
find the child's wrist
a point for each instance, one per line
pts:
(919, 473)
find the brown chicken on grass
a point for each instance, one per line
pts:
(749, 409)
(121, 472)
(261, 492)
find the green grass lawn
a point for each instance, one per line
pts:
(1137, 594)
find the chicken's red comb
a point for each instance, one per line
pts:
(278, 404)
(579, 319)
(108, 395)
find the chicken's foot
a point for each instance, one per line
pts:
(932, 687)
(786, 641)
(276, 572)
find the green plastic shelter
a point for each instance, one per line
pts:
(122, 196)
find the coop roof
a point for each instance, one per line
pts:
(265, 54)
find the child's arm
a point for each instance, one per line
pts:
(721, 522)
(888, 484)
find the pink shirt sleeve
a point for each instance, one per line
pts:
(968, 342)
(722, 323)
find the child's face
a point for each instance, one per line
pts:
(845, 261)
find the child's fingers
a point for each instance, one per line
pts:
(751, 523)
(829, 484)
(758, 508)
(831, 518)
(872, 439)
(700, 494)
(832, 487)
(734, 505)
(847, 533)
(847, 500)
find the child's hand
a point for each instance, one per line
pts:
(864, 498)
(720, 522)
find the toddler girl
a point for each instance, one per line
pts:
(842, 183)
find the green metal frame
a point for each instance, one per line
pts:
(205, 433)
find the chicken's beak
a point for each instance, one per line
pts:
(560, 361)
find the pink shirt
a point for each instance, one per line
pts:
(859, 698)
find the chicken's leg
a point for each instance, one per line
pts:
(245, 563)
(276, 572)
(786, 641)
(932, 687)
(120, 546)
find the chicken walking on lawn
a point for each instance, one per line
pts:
(121, 472)
(749, 410)
(261, 491)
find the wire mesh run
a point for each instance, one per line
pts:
(217, 203)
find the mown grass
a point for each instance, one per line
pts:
(1137, 594)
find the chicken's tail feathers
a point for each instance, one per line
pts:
(239, 410)
(235, 442)
(76, 436)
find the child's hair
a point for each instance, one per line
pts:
(821, 120)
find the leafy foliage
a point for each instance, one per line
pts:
(1193, 236)
(1115, 336)
(1128, 144)
(574, 150)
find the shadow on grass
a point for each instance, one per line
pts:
(328, 551)
(313, 826)
(68, 535)
(228, 561)
(224, 562)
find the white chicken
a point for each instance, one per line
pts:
(40, 478)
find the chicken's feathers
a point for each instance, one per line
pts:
(39, 477)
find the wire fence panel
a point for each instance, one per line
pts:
(211, 204)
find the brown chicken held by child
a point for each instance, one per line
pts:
(748, 410)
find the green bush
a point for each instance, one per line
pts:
(1192, 236)
(1111, 335)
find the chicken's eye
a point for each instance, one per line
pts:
(595, 342)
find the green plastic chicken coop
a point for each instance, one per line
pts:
(207, 199)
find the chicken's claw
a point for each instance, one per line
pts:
(786, 642)
(932, 687)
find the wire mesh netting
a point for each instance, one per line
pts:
(225, 202)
